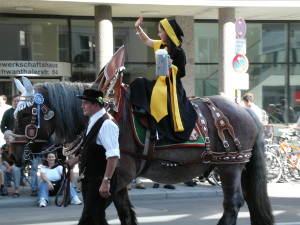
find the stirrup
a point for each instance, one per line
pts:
(155, 136)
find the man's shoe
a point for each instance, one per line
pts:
(22, 183)
(76, 201)
(4, 192)
(190, 183)
(42, 202)
(156, 185)
(140, 186)
(169, 186)
(33, 193)
(129, 187)
(140, 112)
(2, 189)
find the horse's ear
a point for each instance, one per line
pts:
(19, 85)
(28, 86)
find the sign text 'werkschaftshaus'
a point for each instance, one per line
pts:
(42, 68)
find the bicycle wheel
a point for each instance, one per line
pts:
(210, 179)
(274, 168)
(286, 175)
(295, 173)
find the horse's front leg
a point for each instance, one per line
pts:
(233, 200)
(124, 208)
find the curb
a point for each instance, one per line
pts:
(181, 192)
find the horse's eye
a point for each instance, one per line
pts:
(25, 115)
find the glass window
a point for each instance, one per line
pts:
(206, 58)
(139, 58)
(136, 51)
(294, 85)
(206, 42)
(295, 43)
(267, 83)
(266, 42)
(35, 39)
(83, 50)
(206, 80)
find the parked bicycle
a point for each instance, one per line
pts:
(283, 158)
(274, 166)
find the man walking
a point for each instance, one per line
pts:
(97, 159)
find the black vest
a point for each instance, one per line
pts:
(92, 158)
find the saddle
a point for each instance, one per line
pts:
(221, 122)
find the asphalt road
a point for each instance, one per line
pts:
(191, 211)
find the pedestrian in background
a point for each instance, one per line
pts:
(3, 108)
(8, 166)
(8, 119)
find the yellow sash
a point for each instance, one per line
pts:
(158, 102)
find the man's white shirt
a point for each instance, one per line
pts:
(108, 136)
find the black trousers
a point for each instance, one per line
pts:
(93, 204)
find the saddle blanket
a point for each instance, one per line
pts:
(196, 138)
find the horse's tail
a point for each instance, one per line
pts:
(254, 182)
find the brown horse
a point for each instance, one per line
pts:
(57, 111)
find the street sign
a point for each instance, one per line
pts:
(240, 27)
(240, 63)
(240, 46)
(241, 81)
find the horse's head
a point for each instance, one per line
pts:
(45, 109)
(34, 121)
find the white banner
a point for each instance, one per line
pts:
(240, 46)
(39, 68)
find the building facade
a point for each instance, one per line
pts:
(51, 47)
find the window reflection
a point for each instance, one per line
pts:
(33, 39)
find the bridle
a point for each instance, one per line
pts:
(31, 130)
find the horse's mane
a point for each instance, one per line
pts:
(69, 119)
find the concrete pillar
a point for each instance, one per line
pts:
(226, 51)
(187, 25)
(103, 36)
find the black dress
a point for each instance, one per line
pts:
(141, 91)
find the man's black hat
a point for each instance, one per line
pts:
(91, 94)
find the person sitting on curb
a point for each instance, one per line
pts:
(2, 187)
(51, 175)
(8, 166)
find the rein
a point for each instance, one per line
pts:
(28, 154)
(64, 187)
